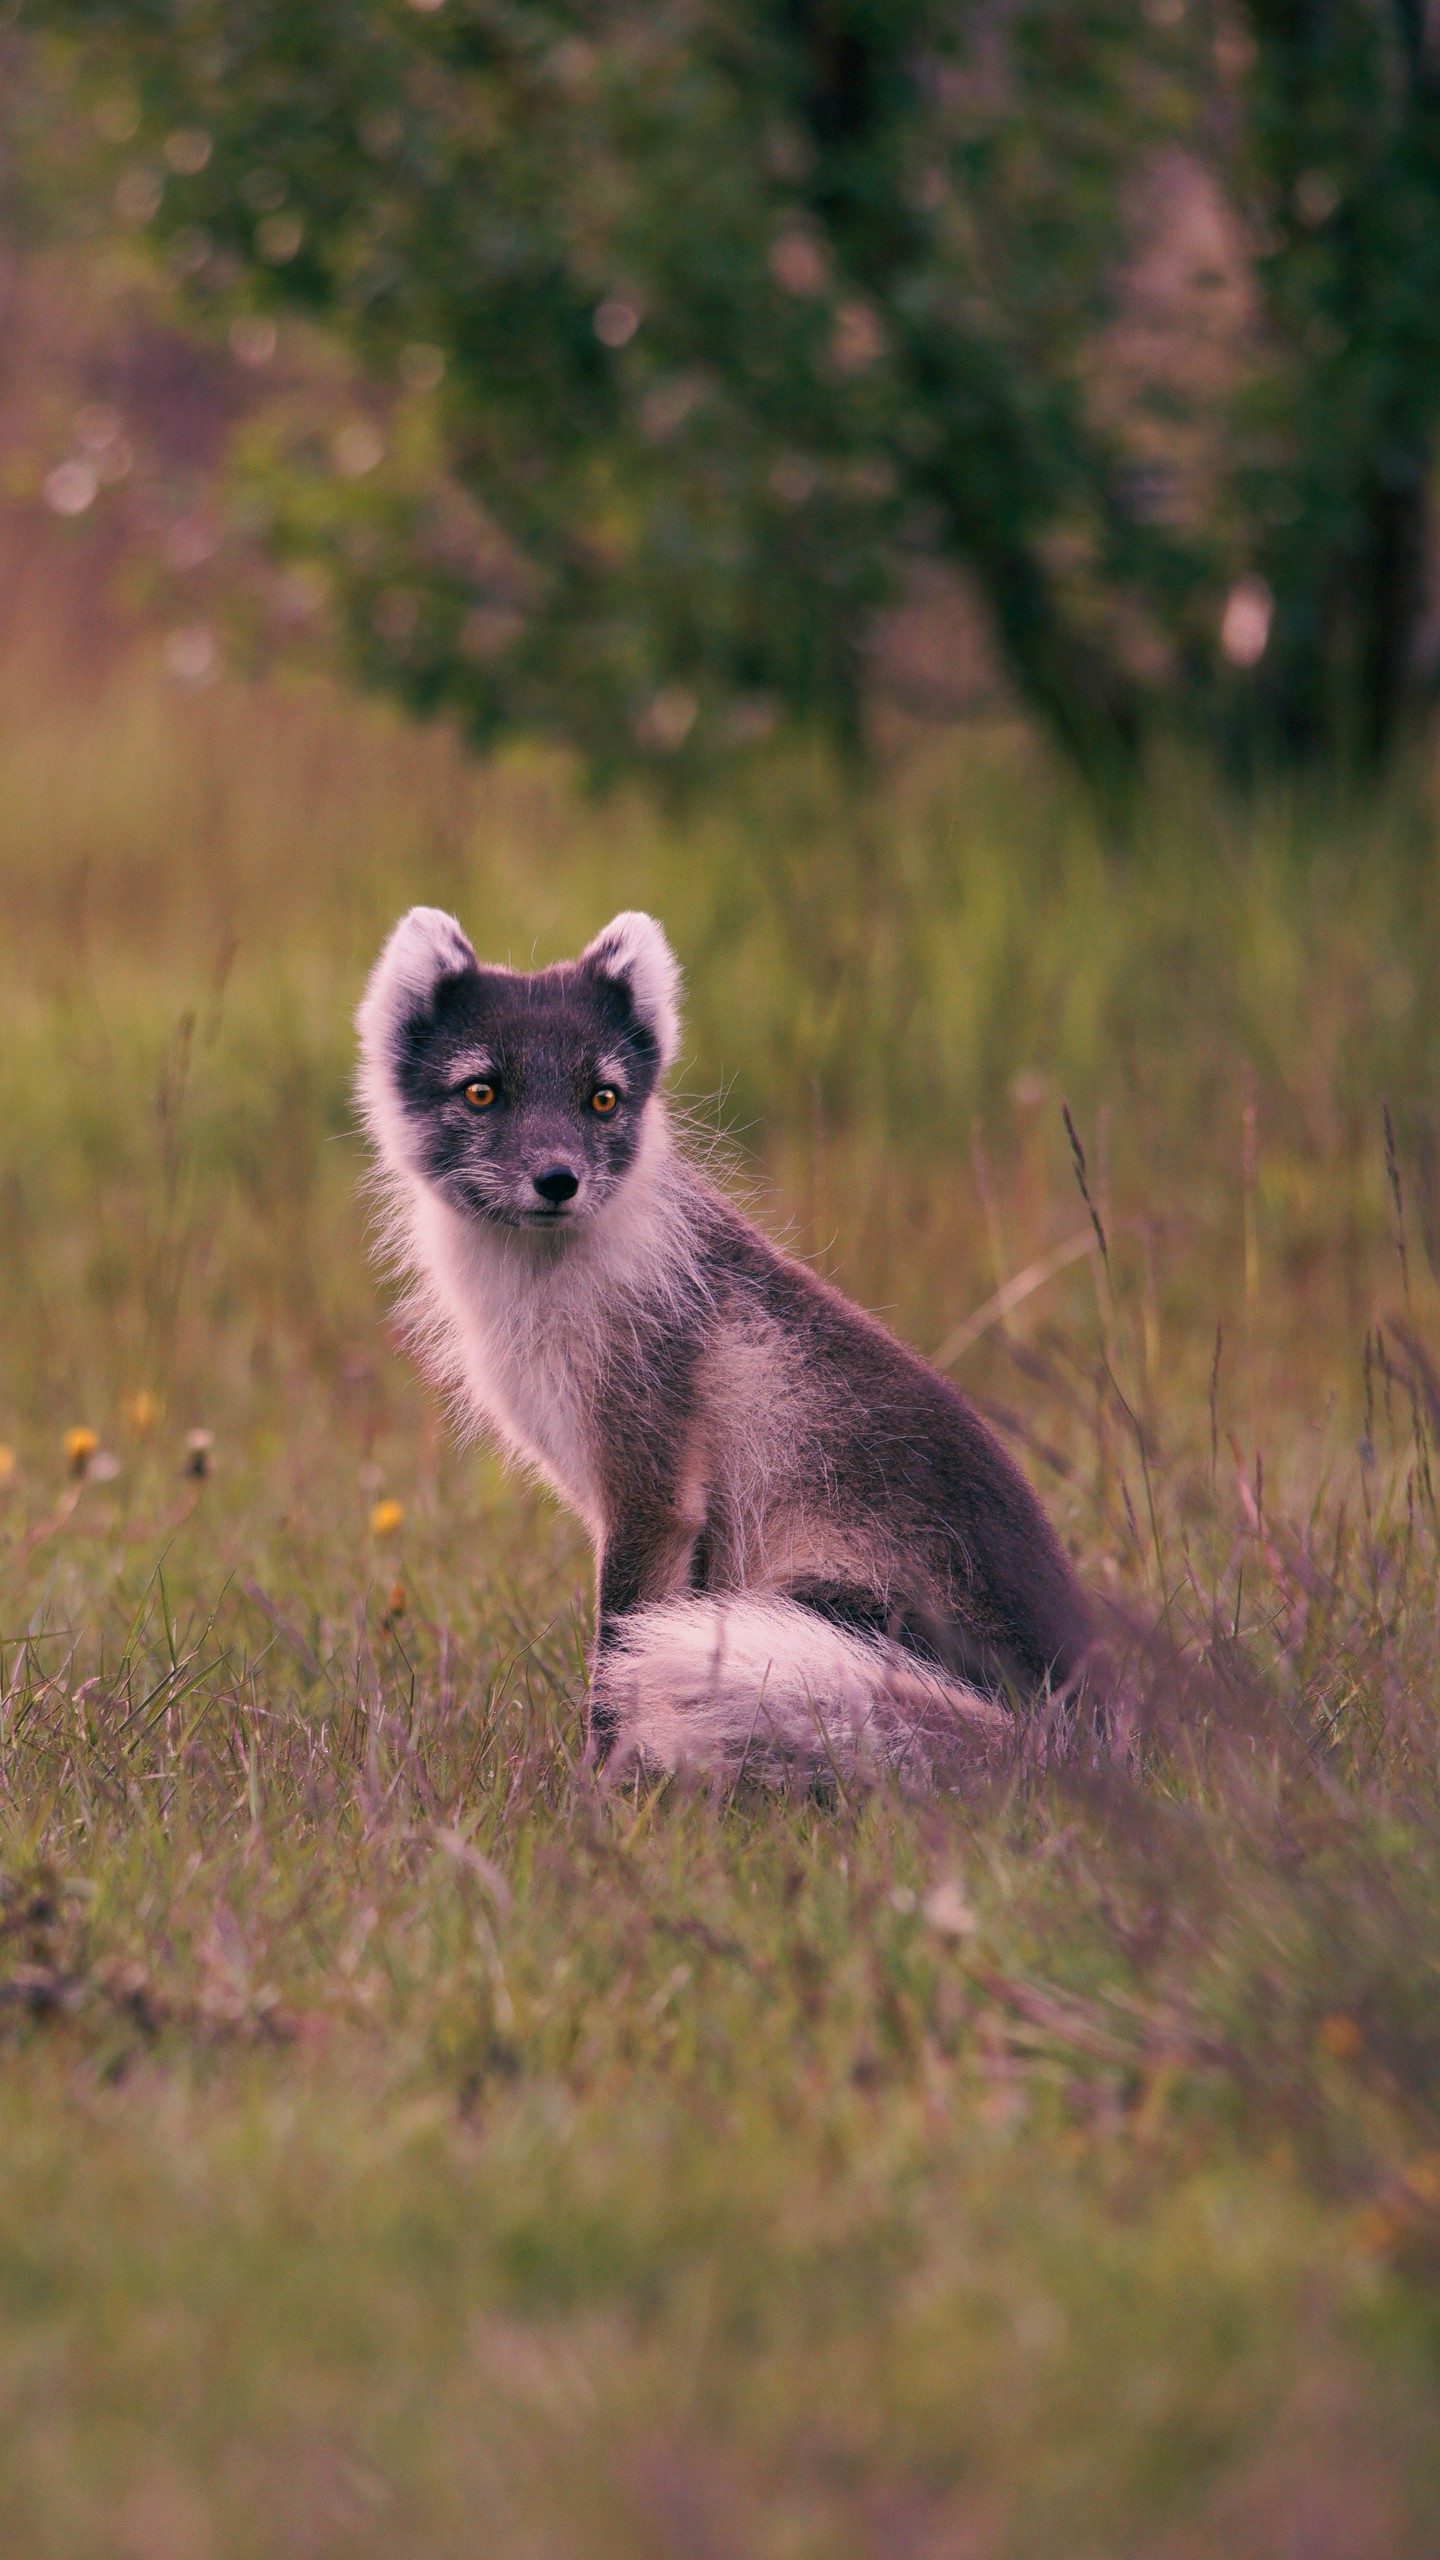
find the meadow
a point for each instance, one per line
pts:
(407, 2148)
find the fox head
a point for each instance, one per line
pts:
(520, 1097)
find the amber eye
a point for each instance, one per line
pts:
(604, 1099)
(479, 1095)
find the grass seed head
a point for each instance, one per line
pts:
(947, 1910)
(198, 1448)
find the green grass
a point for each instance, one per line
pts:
(403, 2150)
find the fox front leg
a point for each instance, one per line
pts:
(645, 1557)
(650, 1552)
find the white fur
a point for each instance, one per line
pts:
(761, 1685)
(517, 1322)
(633, 950)
(426, 946)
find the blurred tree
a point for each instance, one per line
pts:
(700, 315)
(1339, 156)
(699, 318)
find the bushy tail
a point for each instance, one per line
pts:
(767, 1688)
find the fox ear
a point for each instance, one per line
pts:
(426, 946)
(633, 952)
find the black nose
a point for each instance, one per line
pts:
(557, 1185)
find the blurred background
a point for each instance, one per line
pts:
(653, 381)
(937, 501)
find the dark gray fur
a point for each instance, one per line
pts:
(726, 1422)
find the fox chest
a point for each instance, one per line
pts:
(514, 1340)
(535, 1383)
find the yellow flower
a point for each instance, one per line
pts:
(399, 1601)
(8, 1462)
(387, 1517)
(1341, 2037)
(142, 1411)
(80, 1448)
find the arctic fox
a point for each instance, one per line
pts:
(811, 1552)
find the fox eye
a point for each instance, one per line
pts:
(479, 1094)
(604, 1099)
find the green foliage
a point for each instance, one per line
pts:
(689, 331)
(736, 308)
(1342, 159)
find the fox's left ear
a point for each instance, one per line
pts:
(633, 952)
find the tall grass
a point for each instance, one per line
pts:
(405, 2149)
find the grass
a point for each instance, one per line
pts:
(403, 2150)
